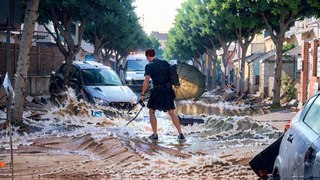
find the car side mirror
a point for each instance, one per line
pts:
(53, 73)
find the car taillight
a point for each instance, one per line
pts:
(287, 126)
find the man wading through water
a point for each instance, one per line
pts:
(162, 94)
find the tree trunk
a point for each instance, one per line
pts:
(208, 70)
(284, 21)
(117, 63)
(105, 57)
(225, 59)
(203, 64)
(213, 67)
(277, 75)
(244, 43)
(68, 48)
(96, 54)
(224, 76)
(69, 59)
(97, 48)
(24, 61)
(214, 72)
(241, 72)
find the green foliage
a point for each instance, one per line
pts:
(111, 22)
(289, 91)
(136, 42)
(198, 26)
(183, 40)
(75, 10)
(196, 29)
(288, 47)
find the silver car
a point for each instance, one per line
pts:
(96, 83)
(299, 153)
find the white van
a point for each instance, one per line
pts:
(133, 71)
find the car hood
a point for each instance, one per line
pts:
(112, 93)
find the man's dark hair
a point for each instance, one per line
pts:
(150, 52)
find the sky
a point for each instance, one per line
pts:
(157, 15)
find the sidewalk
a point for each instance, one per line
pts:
(277, 119)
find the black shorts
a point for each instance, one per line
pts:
(161, 99)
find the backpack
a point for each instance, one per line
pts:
(173, 74)
(174, 77)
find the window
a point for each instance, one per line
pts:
(100, 77)
(136, 65)
(307, 106)
(75, 73)
(312, 118)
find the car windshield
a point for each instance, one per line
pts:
(136, 65)
(100, 77)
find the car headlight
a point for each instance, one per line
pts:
(101, 101)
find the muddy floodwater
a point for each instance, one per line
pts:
(68, 143)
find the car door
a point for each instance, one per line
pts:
(297, 140)
(309, 160)
(74, 79)
(315, 169)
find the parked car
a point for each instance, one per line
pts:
(95, 83)
(299, 153)
(133, 71)
(263, 163)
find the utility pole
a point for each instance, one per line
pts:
(8, 61)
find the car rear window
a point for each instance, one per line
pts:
(307, 106)
(312, 118)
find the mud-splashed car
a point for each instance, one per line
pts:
(299, 153)
(296, 154)
(95, 83)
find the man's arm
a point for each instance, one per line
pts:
(145, 86)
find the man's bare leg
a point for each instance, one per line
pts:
(153, 120)
(175, 120)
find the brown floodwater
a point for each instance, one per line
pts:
(68, 143)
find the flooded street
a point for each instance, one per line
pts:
(69, 143)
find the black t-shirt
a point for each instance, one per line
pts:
(158, 70)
